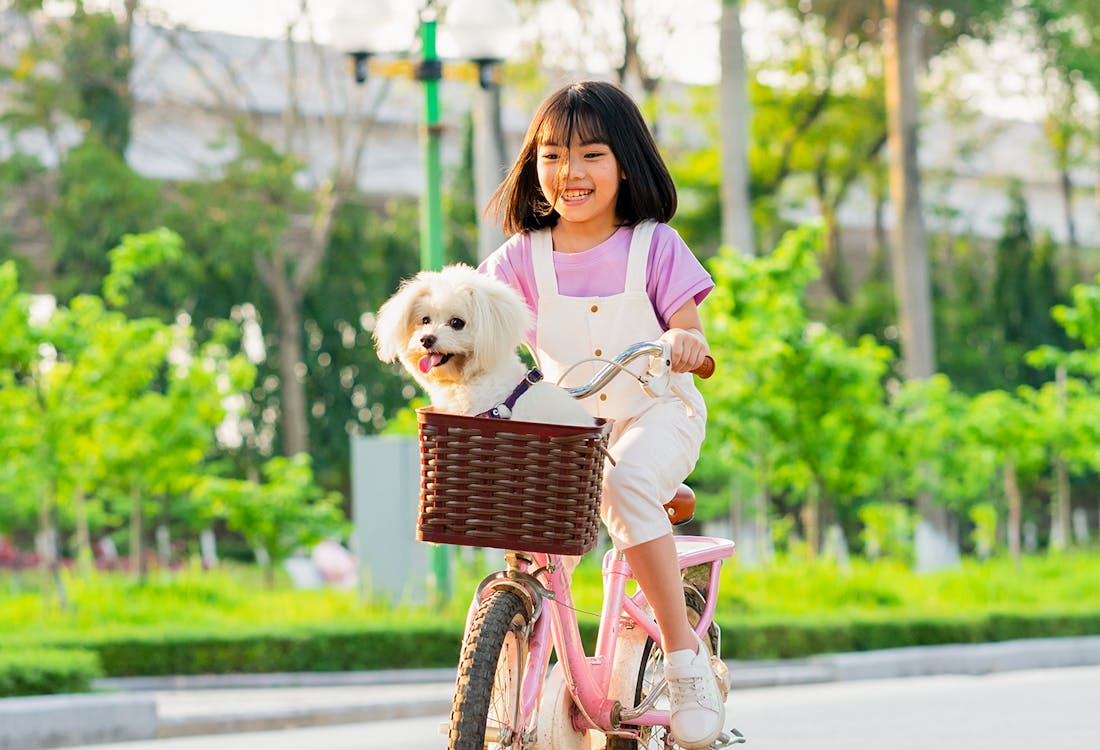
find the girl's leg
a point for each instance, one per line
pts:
(696, 710)
(657, 572)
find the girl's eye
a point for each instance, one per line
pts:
(425, 320)
(457, 323)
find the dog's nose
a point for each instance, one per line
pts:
(427, 341)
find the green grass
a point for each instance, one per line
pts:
(234, 596)
(1065, 583)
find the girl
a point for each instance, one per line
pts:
(586, 202)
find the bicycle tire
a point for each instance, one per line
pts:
(486, 702)
(651, 666)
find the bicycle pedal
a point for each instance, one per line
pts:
(731, 737)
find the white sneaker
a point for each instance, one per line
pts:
(697, 711)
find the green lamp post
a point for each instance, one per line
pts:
(478, 32)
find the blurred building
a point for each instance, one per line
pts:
(190, 86)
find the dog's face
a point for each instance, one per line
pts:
(448, 326)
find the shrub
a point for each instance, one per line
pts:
(44, 671)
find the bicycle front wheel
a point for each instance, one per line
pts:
(485, 713)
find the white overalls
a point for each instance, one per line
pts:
(654, 442)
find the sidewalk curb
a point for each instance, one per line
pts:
(60, 720)
(259, 721)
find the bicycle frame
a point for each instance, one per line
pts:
(546, 583)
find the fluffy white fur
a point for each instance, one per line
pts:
(456, 332)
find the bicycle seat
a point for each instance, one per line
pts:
(681, 508)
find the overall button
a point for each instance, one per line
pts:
(603, 397)
(595, 308)
(599, 352)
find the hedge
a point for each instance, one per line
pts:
(44, 671)
(365, 647)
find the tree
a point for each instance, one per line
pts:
(280, 515)
(734, 119)
(1008, 427)
(819, 400)
(1069, 32)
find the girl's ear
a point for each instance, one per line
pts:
(393, 326)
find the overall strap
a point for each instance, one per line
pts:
(638, 258)
(542, 258)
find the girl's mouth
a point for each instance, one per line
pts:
(575, 195)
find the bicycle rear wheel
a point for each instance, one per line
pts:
(485, 712)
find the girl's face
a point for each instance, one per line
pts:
(581, 182)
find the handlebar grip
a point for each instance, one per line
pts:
(706, 369)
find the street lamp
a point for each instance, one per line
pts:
(377, 37)
(479, 32)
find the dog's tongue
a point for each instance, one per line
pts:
(428, 361)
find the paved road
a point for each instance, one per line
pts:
(1026, 710)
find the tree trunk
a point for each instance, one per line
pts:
(811, 520)
(1066, 185)
(490, 162)
(84, 556)
(137, 531)
(901, 49)
(910, 251)
(46, 547)
(1060, 507)
(734, 119)
(1015, 505)
(292, 386)
(834, 272)
(763, 527)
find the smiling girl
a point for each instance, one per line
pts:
(587, 202)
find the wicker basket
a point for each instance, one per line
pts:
(508, 484)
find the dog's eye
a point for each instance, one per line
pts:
(425, 320)
(457, 323)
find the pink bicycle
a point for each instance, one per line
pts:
(533, 490)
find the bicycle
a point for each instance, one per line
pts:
(505, 697)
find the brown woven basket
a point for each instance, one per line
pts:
(511, 485)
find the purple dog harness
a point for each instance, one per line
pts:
(503, 410)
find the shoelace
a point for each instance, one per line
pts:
(683, 690)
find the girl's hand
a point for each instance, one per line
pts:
(685, 336)
(689, 348)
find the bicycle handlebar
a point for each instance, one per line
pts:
(631, 353)
(706, 369)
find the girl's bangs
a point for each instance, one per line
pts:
(561, 125)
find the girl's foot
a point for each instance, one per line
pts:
(697, 710)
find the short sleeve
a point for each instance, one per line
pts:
(674, 275)
(512, 264)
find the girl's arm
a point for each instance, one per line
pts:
(685, 335)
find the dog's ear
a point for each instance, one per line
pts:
(392, 327)
(503, 314)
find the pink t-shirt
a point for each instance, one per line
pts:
(673, 273)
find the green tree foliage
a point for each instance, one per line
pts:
(349, 389)
(283, 513)
(99, 199)
(795, 399)
(1025, 289)
(96, 64)
(108, 416)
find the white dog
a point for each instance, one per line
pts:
(456, 332)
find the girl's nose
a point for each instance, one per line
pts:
(574, 165)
